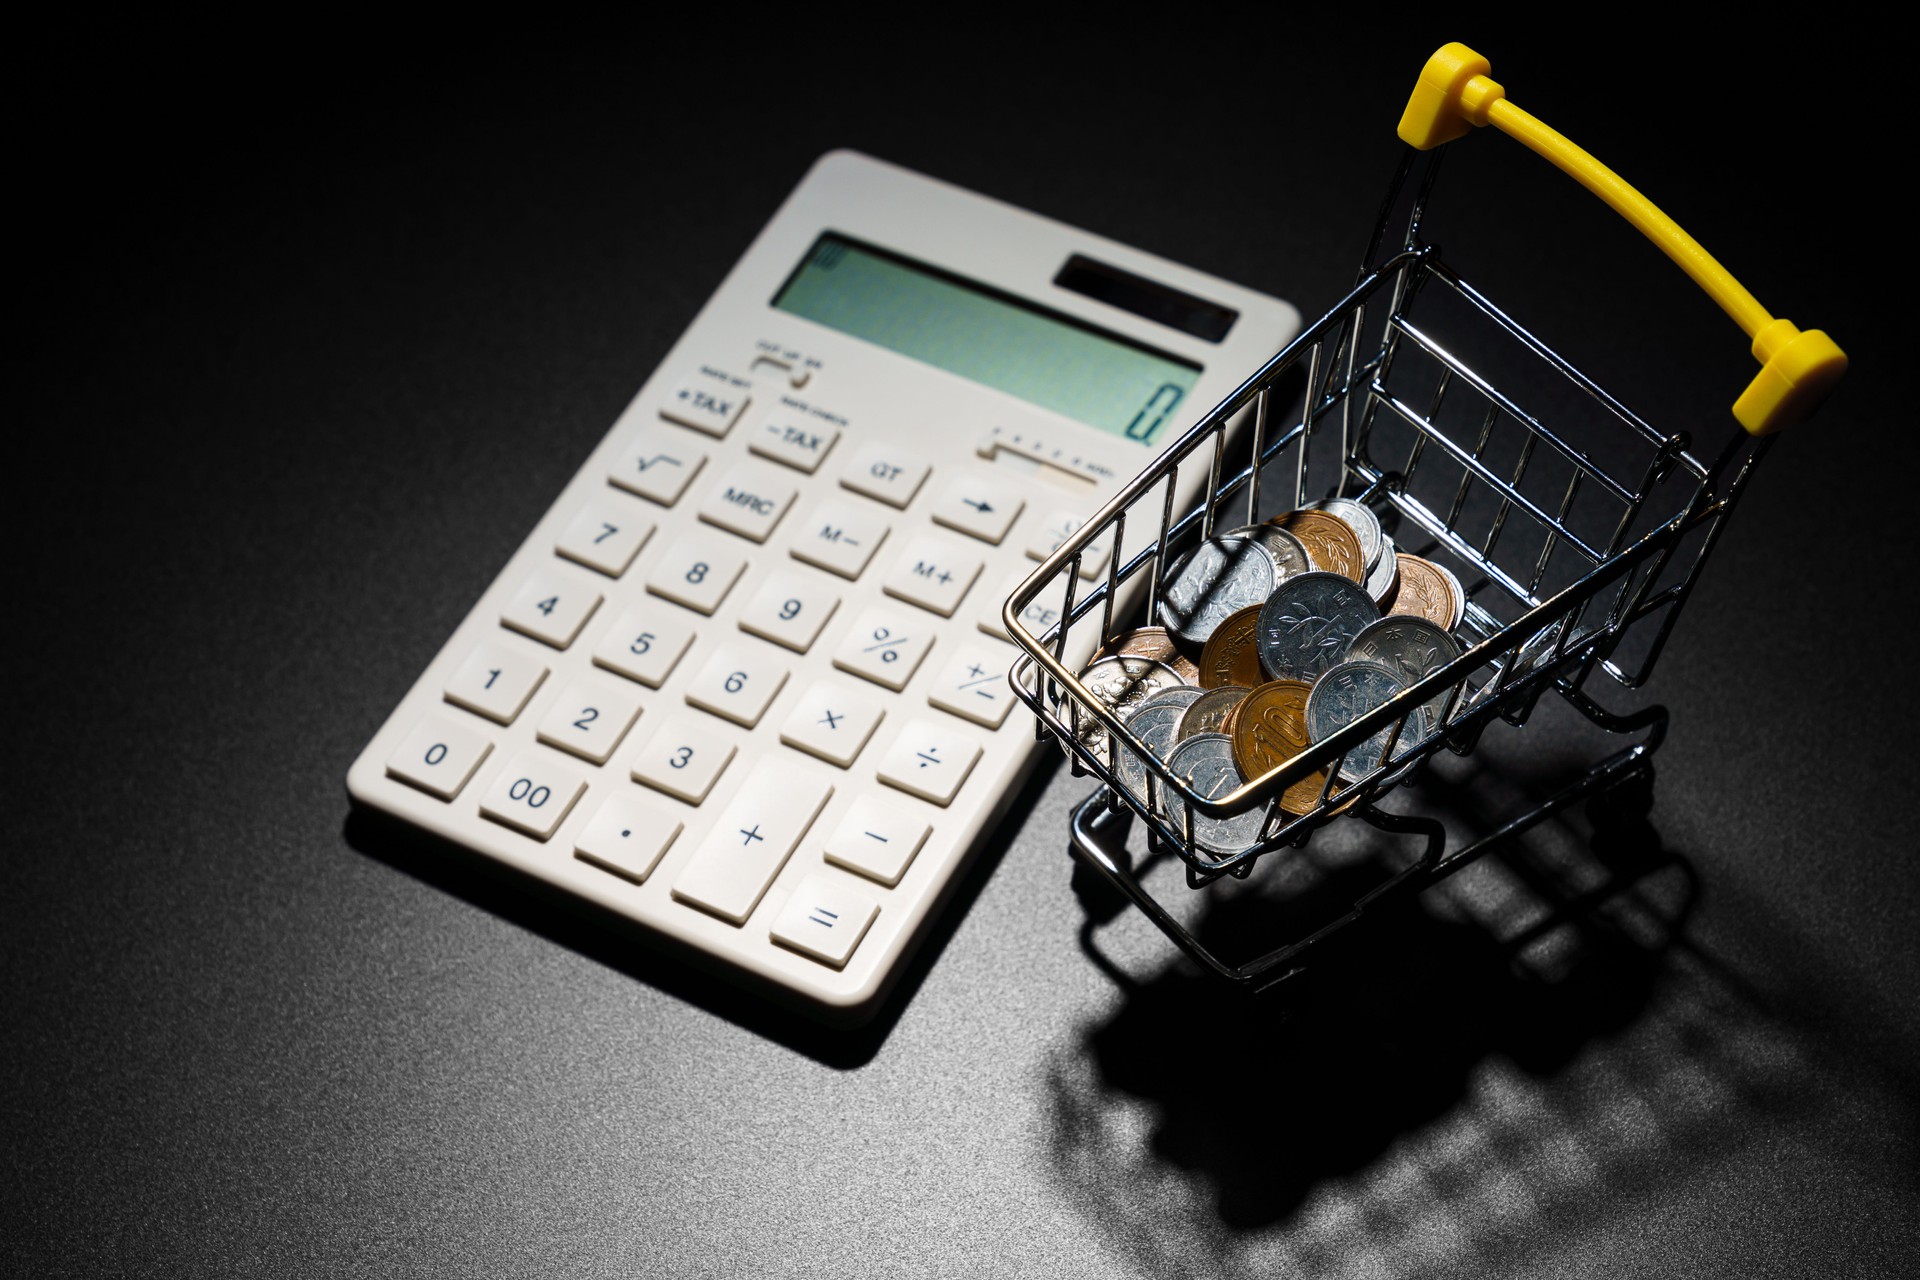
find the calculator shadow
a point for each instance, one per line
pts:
(1433, 1061)
(617, 943)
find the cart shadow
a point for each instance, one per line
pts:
(1373, 1067)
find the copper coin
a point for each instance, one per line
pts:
(1232, 655)
(1154, 644)
(1269, 729)
(1209, 711)
(1425, 591)
(1331, 543)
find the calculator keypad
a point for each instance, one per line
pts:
(751, 840)
(738, 682)
(589, 718)
(685, 756)
(533, 793)
(551, 608)
(438, 757)
(841, 538)
(658, 464)
(645, 644)
(496, 683)
(607, 534)
(697, 571)
(934, 573)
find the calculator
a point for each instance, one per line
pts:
(745, 684)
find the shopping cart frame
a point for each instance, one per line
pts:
(1521, 635)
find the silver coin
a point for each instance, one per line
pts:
(1384, 576)
(1205, 761)
(1344, 694)
(1122, 683)
(1360, 518)
(1208, 712)
(1222, 574)
(1413, 649)
(1154, 722)
(1308, 622)
(1288, 553)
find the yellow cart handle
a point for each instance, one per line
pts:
(1797, 368)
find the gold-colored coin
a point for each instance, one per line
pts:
(1425, 591)
(1231, 655)
(1330, 541)
(1269, 729)
(1156, 645)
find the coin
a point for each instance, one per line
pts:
(1208, 712)
(1412, 648)
(1122, 683)
(1307, 623)
(1153, 722)
(1220, 575)
(1384, 576)
(1269, 729)
(1331, 545)
(1154, 643)
(1288, 553)
(1343, 695)
(1459, 594)
(1232, 655)
(1427, 591)
(1360, 518)
(1206, 762)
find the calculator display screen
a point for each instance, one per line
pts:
(1120, 386)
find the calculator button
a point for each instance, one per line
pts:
(645, 644)
(878, 840)
(824, 920)
(749, 500)
(697, 571)
(589, 718)
(929, 760)
(791, 438)
(495, 683)
(978, 507)
(832, 722)
(533, 794)
(551, 608)
(840, 538)
(684, 758)
(882, 471)
(885, 646)
(658, 465)
(438, 757)
(1040, 615)
(738, 684)
(627, 835)
(708, 400)
(751, 839)
(607, 535)
(789, 610)
(1060, 526)
(933, 573)
(973, 684)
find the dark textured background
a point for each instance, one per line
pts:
(317, 320)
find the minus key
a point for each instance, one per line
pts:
(877, 840)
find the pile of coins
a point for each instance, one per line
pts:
(1273, 637)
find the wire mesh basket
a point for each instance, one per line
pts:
(1576, 528)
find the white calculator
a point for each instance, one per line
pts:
(745, 684)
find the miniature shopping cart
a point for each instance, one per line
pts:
(1577, 528)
